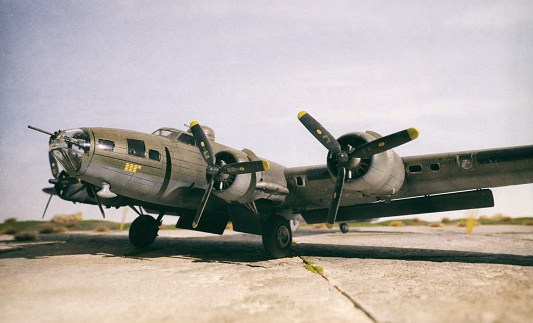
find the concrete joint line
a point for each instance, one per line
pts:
(353, 301)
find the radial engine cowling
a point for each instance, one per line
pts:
(239, 188)
(381, 174)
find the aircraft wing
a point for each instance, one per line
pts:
(437, 183)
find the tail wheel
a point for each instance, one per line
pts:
(277, 237)
(143, 231)
(344, 227)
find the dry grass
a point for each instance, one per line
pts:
(319, 226)
(396, 224)
(8, 230)
(497, 218)
(60, 229)
(101, 228)
(10, 220)
(528, 223)
(445, 220)
(68, 220)
(416, 220)
(25, 236)
(436, 225)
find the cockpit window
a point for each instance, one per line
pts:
(163, 132)
(136, 148)
(186, 138)
(169, 133)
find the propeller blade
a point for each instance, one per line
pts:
(48, 203)
(97, 201)
(245, 167)
(203, 203)
(335, 201)
(203, 143)
(319, 132)
(53, 165)
(385, 143)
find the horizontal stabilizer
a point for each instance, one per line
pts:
(418, 205)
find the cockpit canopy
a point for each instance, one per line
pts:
(176, 134)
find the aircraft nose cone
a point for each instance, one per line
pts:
(69, 147)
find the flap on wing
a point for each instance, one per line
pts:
(418, 205)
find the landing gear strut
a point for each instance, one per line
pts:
(143, 231)
(277, 237)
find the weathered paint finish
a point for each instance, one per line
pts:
(469, 170)
(171, 175)
(429, 174)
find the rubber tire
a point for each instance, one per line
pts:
(344, 228)
(277, 237)
(143, 231)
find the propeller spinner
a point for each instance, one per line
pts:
(345, 158)
(216, 171)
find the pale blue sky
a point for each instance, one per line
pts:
(461, 72)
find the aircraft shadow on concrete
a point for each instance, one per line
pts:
(245, 249)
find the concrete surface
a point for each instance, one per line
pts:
(378, 274)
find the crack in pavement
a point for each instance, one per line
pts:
(353, 301)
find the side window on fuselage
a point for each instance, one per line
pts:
(136, 148)
(154, 155)
(106, 144)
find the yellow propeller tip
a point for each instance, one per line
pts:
(194, 225)
(301, 114)
(329, 225)
(266, 165)
(413, 133)
(194, 123)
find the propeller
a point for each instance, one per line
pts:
(345, 158)
(219, 171)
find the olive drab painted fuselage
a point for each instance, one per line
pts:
(165, 168)
(166, 172)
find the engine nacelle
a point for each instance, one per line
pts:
(234, 187)
(381, 174)
(246, 188)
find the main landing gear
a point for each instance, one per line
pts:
(277, 234)
(277, 237)
(144, 229)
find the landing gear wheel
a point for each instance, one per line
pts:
(143, 231)
(277, 237)
(344, 227)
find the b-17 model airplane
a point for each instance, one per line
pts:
(207, 184)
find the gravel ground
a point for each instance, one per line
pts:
(376, 274)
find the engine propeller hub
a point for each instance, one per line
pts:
(346, 155)
(220, 171)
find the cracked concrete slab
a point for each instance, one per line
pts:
(401, 274)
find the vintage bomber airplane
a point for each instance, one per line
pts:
(172, 172)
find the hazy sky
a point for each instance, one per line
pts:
(461, 72)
